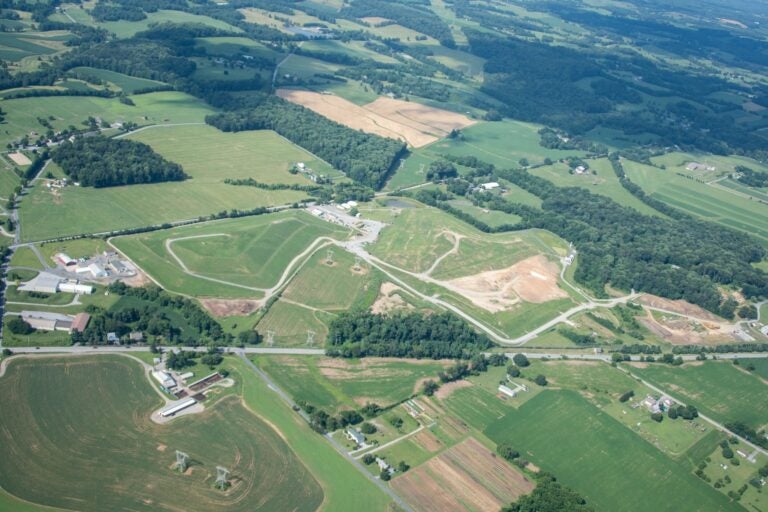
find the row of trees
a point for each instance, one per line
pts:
(360, 333)
(104, 162)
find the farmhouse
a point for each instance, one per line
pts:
(45, 321)
(355, 436)
(490, 185)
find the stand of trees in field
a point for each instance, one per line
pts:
(436, 336)
(103, 162)
(752, 178)
(155, 312)
(365, 158)
(678, 258)
(549, 496)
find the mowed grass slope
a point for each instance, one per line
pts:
(81, 438)
(601, 459)
(718, 389)
(206, 154)
(251, 252)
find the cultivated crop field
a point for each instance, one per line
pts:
(717, 389)
(230, 258)
(415, 123)
(334, 383)
(711, 203)
(468, 476)
(83, 439)
(598, 457)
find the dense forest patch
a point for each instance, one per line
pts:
(102, 162)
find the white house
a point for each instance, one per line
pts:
(490, 185)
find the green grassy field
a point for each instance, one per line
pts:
(68, 421)
(9, 180)
(15, 46)
(262, 155)
(501, 143)
(127, 84)
(761, 366)
(604, 183)
(334, 288)
(717, 389)
(708, 202)
(81, 248)
(125, 29)
(251, 252)
(24, 257)
(154, 108)
(599, 458)
(348, 383)
(290, 323)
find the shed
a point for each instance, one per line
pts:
(80, 322)
(44, 282)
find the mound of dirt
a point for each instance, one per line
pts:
(389, 300)
(224, 307)
(533, 279)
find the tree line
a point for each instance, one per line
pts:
(443, 335)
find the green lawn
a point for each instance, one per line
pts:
(59, 447)
(717, 389)
(603, 461)
(252, 252)
(344, 383)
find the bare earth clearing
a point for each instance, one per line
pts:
(533, 279)
(389, 300)
(467, 474)
(222, 307)
(416, 124)
(19, 158)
